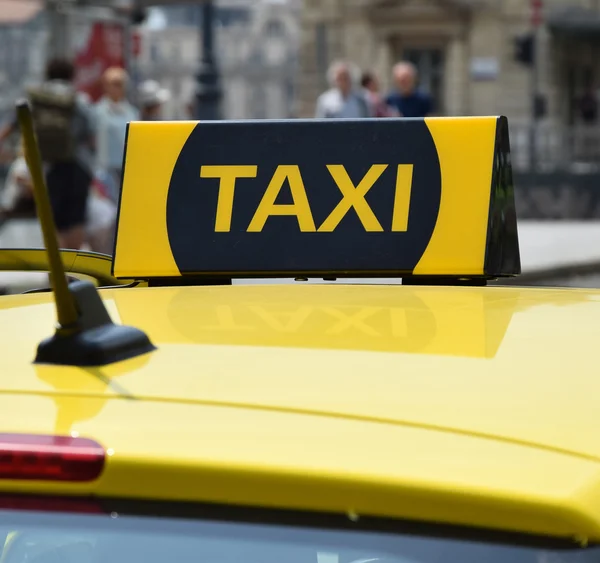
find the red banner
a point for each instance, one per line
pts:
(136, 44)
(104, 47)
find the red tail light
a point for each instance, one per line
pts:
(50, 458)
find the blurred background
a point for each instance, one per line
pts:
(535, 61)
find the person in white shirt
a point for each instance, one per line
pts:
(113, 112)
(344, 99)
(17, 194)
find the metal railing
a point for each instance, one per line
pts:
(573, 149)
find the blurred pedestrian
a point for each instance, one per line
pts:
(102, 215)
(379, 107)
(344, 99)
(113, 113)
(8, 128)
(189, 110)
(16, 198)
(65, 134)
(152, 98)
(407, 99)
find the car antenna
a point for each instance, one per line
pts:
(85, 334)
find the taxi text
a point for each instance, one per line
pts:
(353, 197)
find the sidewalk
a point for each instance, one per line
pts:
(21, 234)
(547, 247)
(557, 244)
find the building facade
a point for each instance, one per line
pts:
(465, 53)
(22, 27)
(257, 44)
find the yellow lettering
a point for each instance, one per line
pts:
(294, 322)
(402, 197)
(353, 197)
(300, 208)
(228, 175)
(226, 321)
(355, 321)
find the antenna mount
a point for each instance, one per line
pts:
(85, 335)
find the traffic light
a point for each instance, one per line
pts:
(525, 49)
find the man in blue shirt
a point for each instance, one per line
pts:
(407, 100)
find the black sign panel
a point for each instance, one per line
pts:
(304, 197)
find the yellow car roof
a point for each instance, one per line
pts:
(467, 405)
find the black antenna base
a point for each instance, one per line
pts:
(94, 340)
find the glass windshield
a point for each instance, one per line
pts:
(51, 537)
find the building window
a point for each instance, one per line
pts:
(274, 28)
(231, 15)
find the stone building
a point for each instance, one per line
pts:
(465, 52)
(256, 49)
(21, 38)
(257, 43)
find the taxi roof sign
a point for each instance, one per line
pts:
(377, 197)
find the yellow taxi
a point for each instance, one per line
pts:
(182, 415)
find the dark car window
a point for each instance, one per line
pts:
(48, 537)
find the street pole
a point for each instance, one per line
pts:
(208, 89)
(534, 117)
